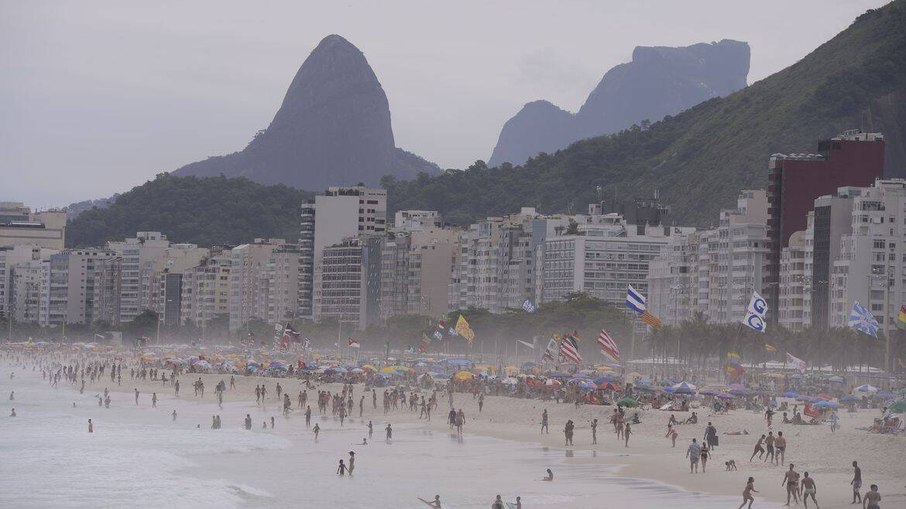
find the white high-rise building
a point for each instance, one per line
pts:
(871, 265)
(135, 272)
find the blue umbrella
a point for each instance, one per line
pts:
(742, 392)
(790, 394)
(827, 404)
(585, 386)
(850, 399)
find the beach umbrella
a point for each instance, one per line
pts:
(710, 392)
(463, 376)
(670, 389)
(866, 388)
(850, 399)
(628, 402)
(742, 392)
(369, 368)
(724, 395)
(684, 388)
(790, 394)
(827, 404)
(898, 407)
(587, 386)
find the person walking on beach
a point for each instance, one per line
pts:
(176, 388)
(136, 396)
(370, 429)
(594, 431)
(834, 418)
(480, 402)
(308, 416)
(706, 453)
(248, 421)
(389, 431)
(316, 430)
(568, 432)
(872, 498)
(747, 493)
(671, 433)
(153, 400)
(351, 466)
(759, 450)
(694, 453)
(769, 416)
(90, 426)
(808, 488)
(628, 431)
(544, 428)
(791, 479)
(498, 503)
(174, 415)
(710, 438)
(856, 482)
(341, 470)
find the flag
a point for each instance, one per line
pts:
(354, 343)
(608, 346)
(569, 349)
(901, 318)
(796, 362)
(770, 348)
(549, 351)
(452, 331)
(863, 321)
(529, 345)
(755, 313)
(438, 335)
(528, 306)
(463, 329)
(636, 302)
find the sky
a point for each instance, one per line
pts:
(97, 97)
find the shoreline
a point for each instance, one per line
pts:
(813, 448)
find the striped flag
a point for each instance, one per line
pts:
(863, 321)
(549, 351)
(636, 302)
(528, 306)
(608, 345)
(569, 349)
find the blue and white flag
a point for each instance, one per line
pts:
(452, 331)
(758, 308)
(863, 321)
(635, 300)
(438, 336)
(528, 306)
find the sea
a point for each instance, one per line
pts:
(139, 456)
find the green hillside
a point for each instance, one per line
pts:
(204, 211)
(701, 158)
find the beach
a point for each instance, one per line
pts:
(502, 449)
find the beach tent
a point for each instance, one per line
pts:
(866, 388)
(683, 388)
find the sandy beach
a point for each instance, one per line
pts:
(826, 456)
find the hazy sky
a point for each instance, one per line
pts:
(98, 96)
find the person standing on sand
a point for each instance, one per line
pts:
(351, 466)
(808, 488)
(747, 493)
(389, 431)
(544, 428)
(370, 429)
(791, 479)
(706, 453)
(626, 432)
(780, 447)
(90, 426)
(872, 498)
(174, 415)
(136, 396)
(153, 400)
(316, 430)
(769, 443)
(769, 416)
(694, 453)
(308, 416)
(856, 482)
(176, 387)
(341, 469)
(594, 431)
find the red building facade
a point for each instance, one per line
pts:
(796, 180)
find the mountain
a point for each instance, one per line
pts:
(333, 128)
(204, 211)
(700, 159)
(657, 82)
(74, 209)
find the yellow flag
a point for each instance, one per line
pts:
(463, 329)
